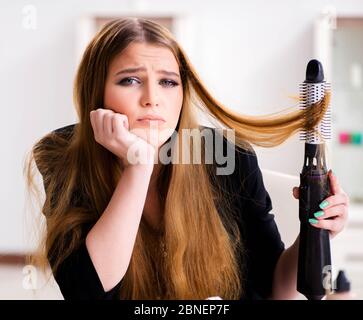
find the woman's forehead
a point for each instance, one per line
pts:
(146, 55)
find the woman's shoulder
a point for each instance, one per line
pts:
(49, 149)
(65, 131)
(54, 137)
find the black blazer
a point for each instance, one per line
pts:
(78, 279)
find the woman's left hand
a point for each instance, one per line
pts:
(333, 215)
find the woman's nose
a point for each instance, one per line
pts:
(150, 96)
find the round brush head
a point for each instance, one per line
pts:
(313, 92)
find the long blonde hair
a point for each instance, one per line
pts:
(80, 176)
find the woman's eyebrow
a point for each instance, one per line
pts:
(132, 70)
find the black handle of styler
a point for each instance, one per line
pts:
(314, 262)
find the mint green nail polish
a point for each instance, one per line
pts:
(313, 221)
(324, 204)
(318, 214)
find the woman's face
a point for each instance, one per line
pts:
(144, 80)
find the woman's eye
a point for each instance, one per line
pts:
(169, 83)
(127, 81)
(164, 82)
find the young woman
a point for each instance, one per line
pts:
(120, 229)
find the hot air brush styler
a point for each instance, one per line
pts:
(314, 262)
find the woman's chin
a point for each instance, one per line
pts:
(155, 137)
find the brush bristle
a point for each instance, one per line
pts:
(311, 93)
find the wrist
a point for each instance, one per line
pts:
(148, 166)
(140, 170)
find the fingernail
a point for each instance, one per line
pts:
(313, 221)
(318, 214)
(324, 204)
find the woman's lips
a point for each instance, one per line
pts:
(151, 121)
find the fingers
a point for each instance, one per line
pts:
(107, 124)
(96, 117)
(334, 184)
(340, 210)
(295, 192)
(120, 124)
(101, 121)
(93, 122)
(339, 196)
(333, 225)
(111, 130)
(333, 215)
(337, 199)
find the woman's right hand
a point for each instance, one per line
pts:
(111, 130)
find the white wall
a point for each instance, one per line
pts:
(251, 54)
